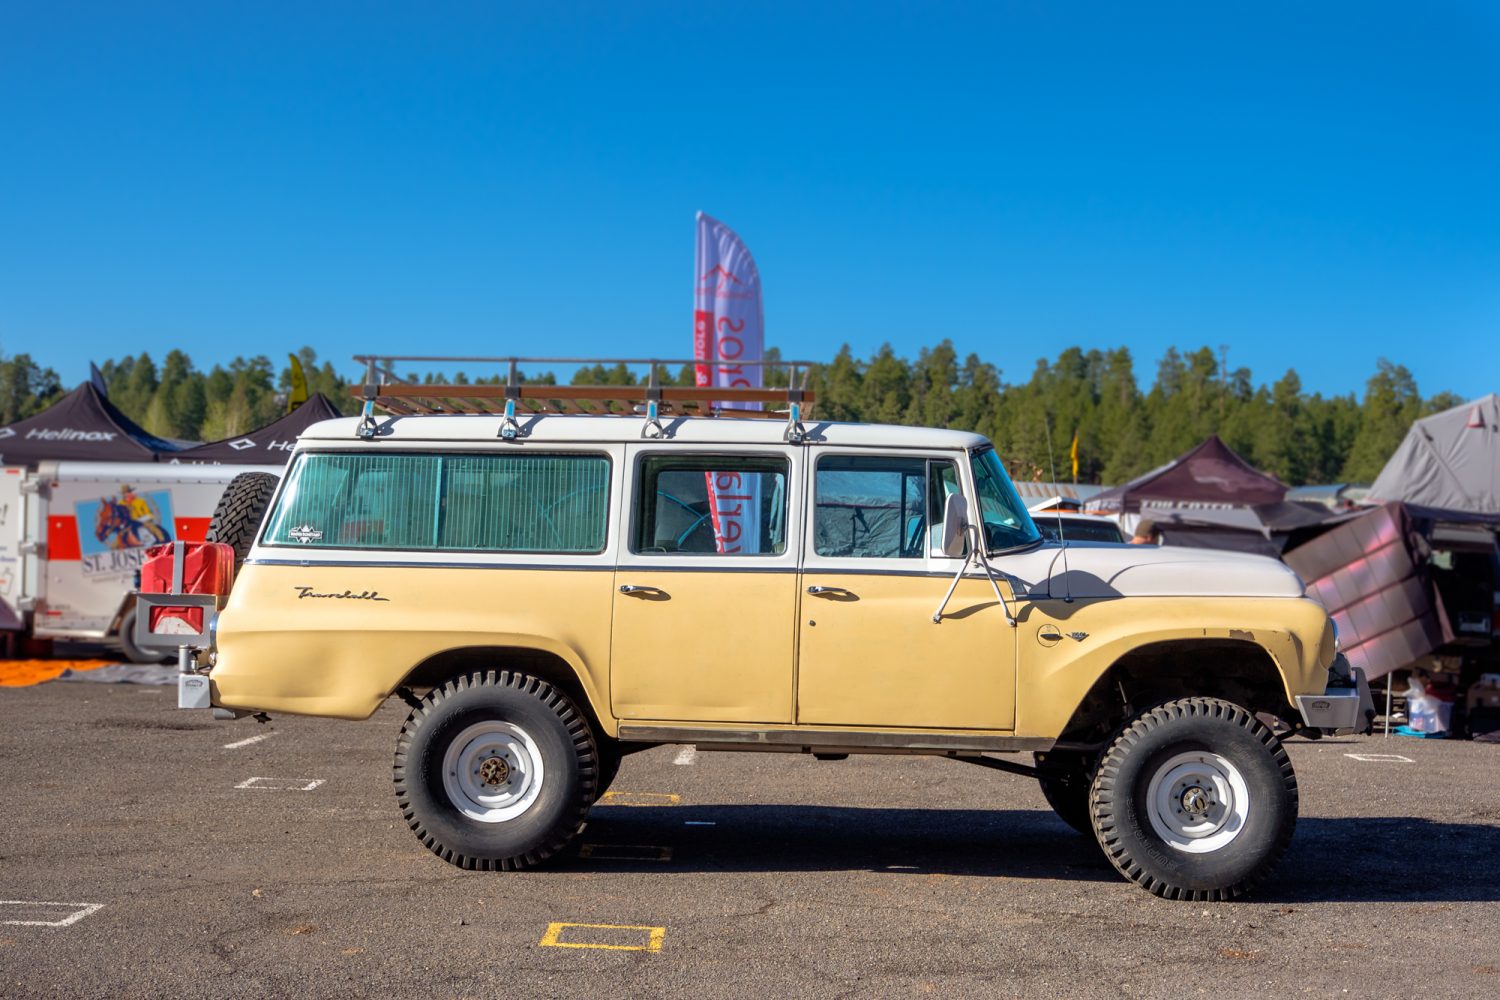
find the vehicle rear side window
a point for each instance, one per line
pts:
(879, 507)
(462, 503)
(711, 505)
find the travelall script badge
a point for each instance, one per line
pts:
(348, 595)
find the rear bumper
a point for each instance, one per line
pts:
(1346, 709)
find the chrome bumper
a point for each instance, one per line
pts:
(1346, 709)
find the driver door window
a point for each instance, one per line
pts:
(878, 507)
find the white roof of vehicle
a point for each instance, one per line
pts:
(473, 428)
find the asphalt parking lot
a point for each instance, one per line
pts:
(150, 852)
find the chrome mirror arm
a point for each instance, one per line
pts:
(976, 549)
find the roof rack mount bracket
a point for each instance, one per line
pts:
(366, 429)
(795, 432)
(653, 428)
(510, 430)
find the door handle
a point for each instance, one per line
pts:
(641, 590)
(818, 591)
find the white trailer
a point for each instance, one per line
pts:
(73, 536)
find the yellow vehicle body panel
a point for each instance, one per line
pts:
(1055, 673)
(704, 646)
(279, 651)
(871, 655)
(876, 664)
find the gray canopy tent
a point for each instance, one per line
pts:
(1449, 461)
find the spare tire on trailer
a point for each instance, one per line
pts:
(239, 513)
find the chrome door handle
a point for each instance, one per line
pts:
(642, 590)
(816, 590)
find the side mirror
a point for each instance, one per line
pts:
(955, 514)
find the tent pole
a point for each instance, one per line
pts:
(1388, 678)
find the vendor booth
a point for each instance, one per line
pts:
(83, 426)
(270, 445)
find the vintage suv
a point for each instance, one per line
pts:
(551, 591)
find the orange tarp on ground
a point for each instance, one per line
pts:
(24, 673)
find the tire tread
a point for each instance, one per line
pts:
(1115, 847)
(578, 732)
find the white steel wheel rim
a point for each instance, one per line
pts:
(492, 771)
(1197, 802)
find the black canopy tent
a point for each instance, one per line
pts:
(270, 445)
(83, 426)
(1208, 476)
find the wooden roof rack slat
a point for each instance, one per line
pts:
(385, 390)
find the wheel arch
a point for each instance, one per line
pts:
(1237, 670)
(546, 664)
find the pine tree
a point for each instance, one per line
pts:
(1391, 404)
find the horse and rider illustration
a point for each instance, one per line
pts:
(130, 520)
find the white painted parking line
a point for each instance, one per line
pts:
(72, 912)
(244, 743)
(687, 755)
(1380, 758)
(281, 784)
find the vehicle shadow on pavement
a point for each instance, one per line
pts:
(1388, 859)
(1018, 843)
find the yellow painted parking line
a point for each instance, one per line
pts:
(553, 937)
(625, 852)
(639, 799)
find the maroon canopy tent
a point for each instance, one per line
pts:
(271, 445)
(1208, 476)
(82, 426)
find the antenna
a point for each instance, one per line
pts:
(1067, 579)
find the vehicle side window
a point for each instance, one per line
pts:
(710, 505)
(525, 503)
(489, 503)
(879, 507)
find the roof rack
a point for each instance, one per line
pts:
(386, 390)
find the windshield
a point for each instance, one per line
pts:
(1007, 525)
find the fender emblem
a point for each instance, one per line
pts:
(1078, 636)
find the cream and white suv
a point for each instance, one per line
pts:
(553, 592)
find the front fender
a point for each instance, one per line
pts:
(1054, 674)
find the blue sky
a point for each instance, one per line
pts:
(1314, 185)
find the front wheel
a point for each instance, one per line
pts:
(1195, 799)
(496, 771)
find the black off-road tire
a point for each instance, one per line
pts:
(1066, 779)
(1199, 728)
(566, 747)
(240, 510)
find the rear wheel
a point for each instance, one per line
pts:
(496, 771)
(1196, 799)
(240, 510)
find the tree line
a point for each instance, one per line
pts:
(1122, 429)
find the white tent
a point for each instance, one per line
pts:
(1450, 460)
